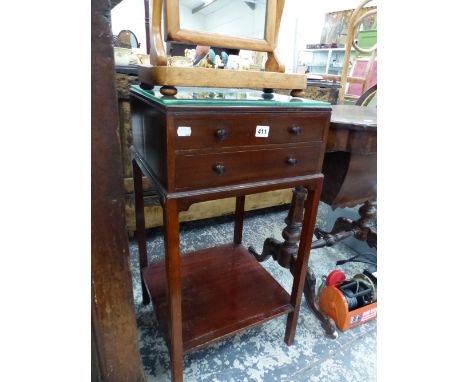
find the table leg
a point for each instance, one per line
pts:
(239, 219)
(361, 228)
(300, 271)
(140, 225)
(174, 287)
(285, 254)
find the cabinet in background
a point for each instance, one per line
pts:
(330, 60)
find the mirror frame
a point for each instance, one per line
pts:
(167, 77)
(173, 32)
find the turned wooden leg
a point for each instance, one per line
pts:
(361, 228)
(168, 90)
(292, 233)
(140, 226)
(297, 93)
(174, 287)
(300, 271)
(285, 253)
(282, 252)
(367, 213)
(146, 86)
(239, 219)
(268, 93)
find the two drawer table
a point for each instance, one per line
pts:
(206, 144)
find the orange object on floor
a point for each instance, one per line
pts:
(347, 308)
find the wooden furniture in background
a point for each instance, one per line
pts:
(349, 167)
(169, 76)
(354, 22)
(350, 164)
(361, 69)
(364, 72)
(115, 351)
(208, 149)
(368, 98)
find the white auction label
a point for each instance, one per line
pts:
(184, 131)
(262, 131)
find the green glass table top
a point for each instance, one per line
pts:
(225, 97)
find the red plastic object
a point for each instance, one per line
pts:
(335, 277)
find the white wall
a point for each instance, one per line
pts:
(190, 21)
(232, 18)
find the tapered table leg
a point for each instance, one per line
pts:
(174, 287)
(300, 271)
(239, 219)
(140, 225)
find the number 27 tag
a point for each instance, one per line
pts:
(262, 131)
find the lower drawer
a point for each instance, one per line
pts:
(219, 169)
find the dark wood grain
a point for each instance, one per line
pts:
(353, 129)
(172, 277)
(354, 117)
(360, 183)
(239, 219)
(300, 271)
(350, 163)
(205, 296)
(224, 290)
(115, 338)
(195, 170)
(238, 129)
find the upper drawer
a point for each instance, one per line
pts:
(240, 129)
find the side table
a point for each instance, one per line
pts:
(206, 144)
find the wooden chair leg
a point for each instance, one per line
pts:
(140, 225)
(300, 271)
(174, 287)
(239, 219)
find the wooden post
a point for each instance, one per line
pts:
(147, 27)
(174, 287)
(140, 226)
(300, 270)
(114, 331)
(354, 21)
(239, 219)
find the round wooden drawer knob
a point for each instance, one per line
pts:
(291, 161)
(221, 133)
(219, 168)
(295, 129)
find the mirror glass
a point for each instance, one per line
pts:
(237, 18)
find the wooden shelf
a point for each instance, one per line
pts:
(224, 290)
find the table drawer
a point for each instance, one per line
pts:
(239, 129)
(224, 168)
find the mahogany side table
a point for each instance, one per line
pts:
(205, 144)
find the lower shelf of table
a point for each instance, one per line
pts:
(224, 290)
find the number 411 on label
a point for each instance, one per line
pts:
(262, 131)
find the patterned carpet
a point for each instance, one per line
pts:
(260, 354)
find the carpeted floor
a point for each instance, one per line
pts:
(260, 354)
